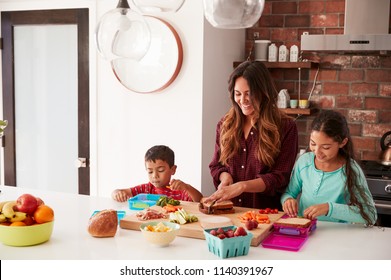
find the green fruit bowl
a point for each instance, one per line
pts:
(26, 235)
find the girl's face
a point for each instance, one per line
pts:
(242, 96)
(159, 172)
(324, 147)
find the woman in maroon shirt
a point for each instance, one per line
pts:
(256, 143)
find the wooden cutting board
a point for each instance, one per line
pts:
(195, 230)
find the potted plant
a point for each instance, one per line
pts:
(3, 125)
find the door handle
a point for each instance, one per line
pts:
(81, 162)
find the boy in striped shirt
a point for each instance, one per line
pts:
(160, 166)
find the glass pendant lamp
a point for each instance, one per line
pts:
(147, 6)
(123, 33)
(233, 14)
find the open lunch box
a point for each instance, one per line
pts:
(143, 200)
(288, 238)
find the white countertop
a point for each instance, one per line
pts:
(71, 241)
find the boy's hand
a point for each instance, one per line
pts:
(120, 195)
(177, 185)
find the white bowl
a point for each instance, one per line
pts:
(160, 238)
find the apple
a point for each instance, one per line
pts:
(29, 220)
(40, 201)
(26, 203)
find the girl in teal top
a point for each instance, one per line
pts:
(331, 185)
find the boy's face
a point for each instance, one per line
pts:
(159, 172)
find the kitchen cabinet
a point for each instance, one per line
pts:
(291, 65)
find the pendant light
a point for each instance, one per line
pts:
(148, 6)
(122, 32)
(233, 14)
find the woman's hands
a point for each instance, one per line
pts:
(226, 192)
(225, 180)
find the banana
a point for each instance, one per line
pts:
(8, 209)
(2, 203)
(2, 218)
(18, 217)
(12, 215)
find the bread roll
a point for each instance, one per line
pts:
(103, 224)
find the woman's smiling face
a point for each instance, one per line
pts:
(242, 96)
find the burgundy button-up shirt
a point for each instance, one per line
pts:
(245, 166)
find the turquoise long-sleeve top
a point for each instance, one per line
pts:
(317, 186)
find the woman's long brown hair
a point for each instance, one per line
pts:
(266, 119)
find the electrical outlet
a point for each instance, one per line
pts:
(256, 35)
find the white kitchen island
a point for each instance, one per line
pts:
(71, 241)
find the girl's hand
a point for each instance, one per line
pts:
(290, 207)
(316, 210)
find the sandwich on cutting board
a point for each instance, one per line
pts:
(216, 208)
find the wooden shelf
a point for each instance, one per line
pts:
(286, 65)
(298, 111)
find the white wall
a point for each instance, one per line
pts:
(125, 124)
(221, 48)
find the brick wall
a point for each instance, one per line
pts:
(356, 84)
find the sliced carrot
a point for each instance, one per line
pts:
(171, 208)
(253, 215)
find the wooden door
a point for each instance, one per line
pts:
(10, 20)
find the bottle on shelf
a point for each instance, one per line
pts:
(283, 99)
(283, 53)
(294, 54)
(272, 53)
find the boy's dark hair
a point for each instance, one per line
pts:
(160, 152)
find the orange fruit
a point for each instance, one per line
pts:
(43, 214)
(17, 224)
